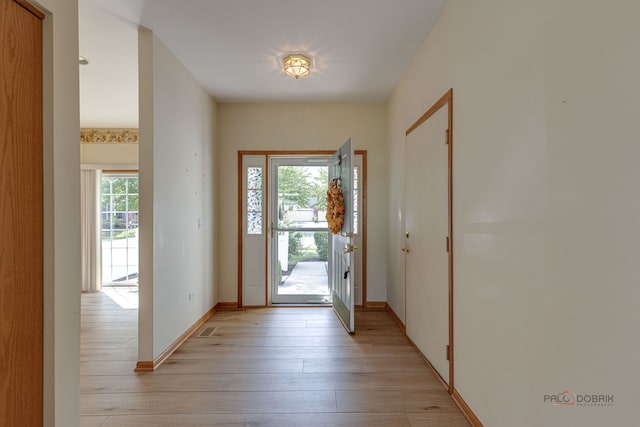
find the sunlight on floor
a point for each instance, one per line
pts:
(125, 296)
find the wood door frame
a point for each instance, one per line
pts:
(446, 99)
(266, 154)
(31, 8)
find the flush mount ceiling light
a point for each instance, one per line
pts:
(296, 65)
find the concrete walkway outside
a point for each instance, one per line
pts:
(307, 278)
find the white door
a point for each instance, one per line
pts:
(342, 247)
(427, 239)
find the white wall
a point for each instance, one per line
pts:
(177, 180)
(61, 214)
(546, 213)
(109, 154)
(301, 127)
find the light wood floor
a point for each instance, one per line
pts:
(262, 367)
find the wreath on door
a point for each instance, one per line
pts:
(335, 207)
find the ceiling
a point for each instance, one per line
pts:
(234, 48)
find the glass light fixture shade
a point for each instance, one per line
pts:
(297, 65)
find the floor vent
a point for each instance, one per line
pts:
(207, 332)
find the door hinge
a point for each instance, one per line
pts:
(446, 136)
(448, 352)
(447, 243)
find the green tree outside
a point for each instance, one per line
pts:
(293, 187)
(119, 197)
(299, 186)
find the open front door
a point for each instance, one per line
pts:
(342, 247)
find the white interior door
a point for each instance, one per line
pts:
(342, 247)
(427, 240)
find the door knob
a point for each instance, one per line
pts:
(349, 248)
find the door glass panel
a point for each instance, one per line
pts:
(254, 200)
(119, 229)
(300, 238)
(302, 259)
(301, 196)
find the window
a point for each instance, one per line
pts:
(254, 200)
